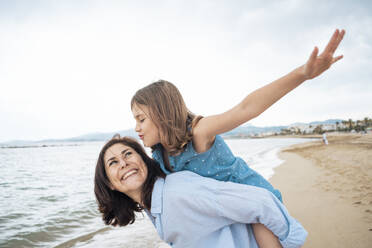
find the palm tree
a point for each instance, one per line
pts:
(350, 124)
(367, 121)
(318, 129)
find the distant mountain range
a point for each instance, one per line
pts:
(98, 136)
(242, 130)
(314, 123)
(250, 129)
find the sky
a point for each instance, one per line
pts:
(70, 67)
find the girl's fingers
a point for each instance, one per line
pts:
(332, 42)
(335, 59)
(313, 56)
(339, 39)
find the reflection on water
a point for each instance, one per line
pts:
(47, 199)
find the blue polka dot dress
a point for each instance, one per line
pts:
(218, 163)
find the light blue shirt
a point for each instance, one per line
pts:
(188, 210)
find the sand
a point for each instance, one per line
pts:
(329, 189)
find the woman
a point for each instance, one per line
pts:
(187, 210)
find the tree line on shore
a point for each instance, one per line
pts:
(363, 125)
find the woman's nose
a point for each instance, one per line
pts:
(122, 163)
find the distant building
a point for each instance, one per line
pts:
(341, 126)
(268, 134)
(302, 128)
(329, 127)
(310, 128)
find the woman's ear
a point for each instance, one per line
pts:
(112, 187)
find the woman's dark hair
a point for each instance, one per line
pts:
(116, 207)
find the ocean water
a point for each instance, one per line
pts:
(47, 199)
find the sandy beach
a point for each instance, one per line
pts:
(328, 188)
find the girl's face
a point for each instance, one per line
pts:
(145, 127)
(125, 169)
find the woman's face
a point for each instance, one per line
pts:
(125, 169)
(145, 127)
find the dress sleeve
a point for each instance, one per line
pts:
(249, 204)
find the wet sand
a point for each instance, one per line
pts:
(329, 189)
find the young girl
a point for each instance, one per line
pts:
(182, 141)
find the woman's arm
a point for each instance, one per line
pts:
(260, 100)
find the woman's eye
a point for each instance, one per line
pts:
(112, 162)
(127, 154)
(142, 120)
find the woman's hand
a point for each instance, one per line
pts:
(316, 65)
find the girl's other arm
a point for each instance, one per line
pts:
(261, 99)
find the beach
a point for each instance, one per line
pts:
(328, 188)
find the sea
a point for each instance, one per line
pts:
(47, 199)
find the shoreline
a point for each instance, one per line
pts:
(329, 189)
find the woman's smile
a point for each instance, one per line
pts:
(129, 173)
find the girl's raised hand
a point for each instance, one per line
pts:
(316, 65)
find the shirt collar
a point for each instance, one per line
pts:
(157, 197)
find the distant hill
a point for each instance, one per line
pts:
(330, 121)
(102, 136)
(250, 130)
(82, 138)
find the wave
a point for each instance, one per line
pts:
(83, 238)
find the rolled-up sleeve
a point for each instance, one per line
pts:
(249, 204)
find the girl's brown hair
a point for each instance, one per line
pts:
(116, 207)
(169, 113)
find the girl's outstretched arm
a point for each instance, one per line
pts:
(261, 99)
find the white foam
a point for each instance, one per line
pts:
(262, 154)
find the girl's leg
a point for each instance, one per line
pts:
(264, 237)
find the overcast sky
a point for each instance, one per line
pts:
(71, 67)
